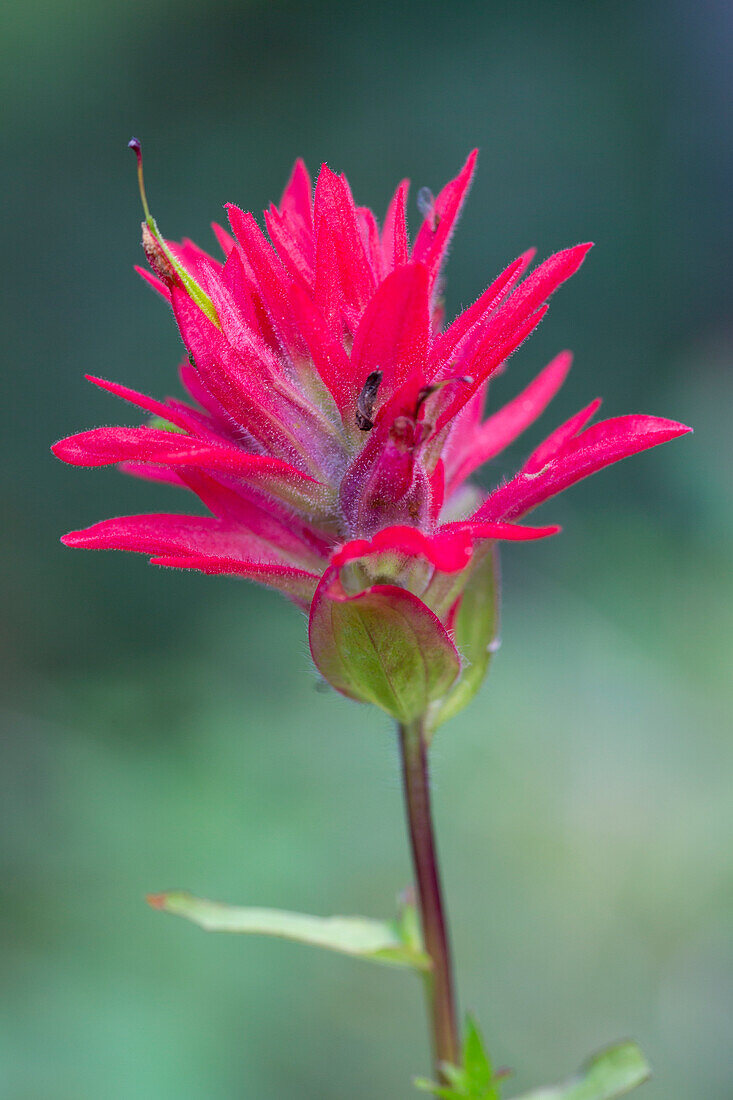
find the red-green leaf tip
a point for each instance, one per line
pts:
(156, 901)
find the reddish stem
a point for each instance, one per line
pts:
(439, 980)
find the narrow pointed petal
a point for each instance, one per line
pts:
(156, 283)
(290, 248)
(369, 231)
(515, 318)
(162, 474)
(226, 240)
(238, 319)
(239, 280)
(431, 243)
(234, 384)
(164, 534)
(345, 257)
(299, 584)
(327, 294)
(286, 534)
(501, 429)
(107, 446)
(450, 345)
(195, 259)
(394, 331)
(217, 417)
(544, 281)
(489, 359)
(327, 352)
(395, 246)
(598, 446)
(506, 532)
(269, 475)
(272, 279)
(158, 408)
(555, 442)
(297, 196)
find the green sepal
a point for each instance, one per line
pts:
(389, 942)
(611, 1073)
(475, 632)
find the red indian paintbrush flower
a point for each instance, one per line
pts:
(333, 425)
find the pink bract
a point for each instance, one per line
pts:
(332, 419)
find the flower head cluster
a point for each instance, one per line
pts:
(333, 422)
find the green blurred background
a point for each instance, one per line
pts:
(165, 729)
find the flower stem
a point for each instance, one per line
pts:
(439, 980)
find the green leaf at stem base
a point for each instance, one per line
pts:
(611, 1073)
(474, 1080)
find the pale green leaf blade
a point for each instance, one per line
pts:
(360, 937)
(611, 1073)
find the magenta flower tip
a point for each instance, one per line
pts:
(73, 539)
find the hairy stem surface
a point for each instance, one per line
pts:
(439, 980)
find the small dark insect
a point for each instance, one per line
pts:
(366, 401)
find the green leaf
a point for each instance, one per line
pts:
(385, 647)
(612, 1072)
(361, 937)
(475, 632)
(474, 1079)
(476, 1064)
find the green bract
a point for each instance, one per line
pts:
(385, 647)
